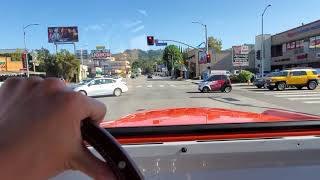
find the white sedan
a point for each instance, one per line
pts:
(101, 86)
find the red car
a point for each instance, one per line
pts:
(216, 83)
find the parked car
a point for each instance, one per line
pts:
(101, 86)
(318, 72)
(216, 83)
(298, 78)
(149, 76)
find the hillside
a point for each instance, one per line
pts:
(132, 55)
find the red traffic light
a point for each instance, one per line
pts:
(208, 58)
(150, 40)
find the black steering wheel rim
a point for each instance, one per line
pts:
(107, 146)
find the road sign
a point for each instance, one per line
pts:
(161, 44)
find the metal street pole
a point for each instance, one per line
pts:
(81, 56)
(25, 46)
(263, 42)
(207, 46)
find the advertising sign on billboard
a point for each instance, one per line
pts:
(63, 34)
(100, 54)
(202, 57)
(240, 55)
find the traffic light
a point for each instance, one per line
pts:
(24, 57)
(150, 40)
(208, 58)
(258, 55)
(30, 60)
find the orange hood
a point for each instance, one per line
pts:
(194, 116)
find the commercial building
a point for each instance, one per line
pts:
(11, 60)
(100, 62)
(222, 60)
(297, 47)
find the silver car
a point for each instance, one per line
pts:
(101, 86)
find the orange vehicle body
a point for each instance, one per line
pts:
(207, 116)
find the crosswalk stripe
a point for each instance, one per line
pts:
(305, 98)
(312, 102)
(172, 85)
(149, 86)
(139, 86)
(161, 85)
(291, 93)
(298, 95)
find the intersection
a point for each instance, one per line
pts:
(159, 93)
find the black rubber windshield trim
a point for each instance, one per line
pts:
(231, 128)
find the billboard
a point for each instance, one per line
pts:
(240, 55)
(100, 54)
(63, 34)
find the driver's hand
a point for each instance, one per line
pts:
(40, 130)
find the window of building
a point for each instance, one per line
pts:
(276, 50)
(284, 48)
(312, 43)
(317, 42)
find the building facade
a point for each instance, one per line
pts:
(298, 47)
(266, 54)
(222, 60)
(11, 60)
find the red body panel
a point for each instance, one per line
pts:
(192, 116)
(186, 116)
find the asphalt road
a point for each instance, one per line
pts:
(162, 93)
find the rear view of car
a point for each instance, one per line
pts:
(216, 83)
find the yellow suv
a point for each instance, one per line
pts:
(298, 78)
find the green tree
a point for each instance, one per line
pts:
(215, 44)
(17, 56)
(172, 56)
(46, 62)
(245, 76)
(67, 65)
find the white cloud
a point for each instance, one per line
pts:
(143, 12)
(95, 27)
(131, 24)
(139, 28)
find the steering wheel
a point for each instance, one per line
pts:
(115, 156)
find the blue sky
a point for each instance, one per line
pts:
(123, 24)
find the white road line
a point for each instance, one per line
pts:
(305, 98)
(172, 85)
(161, 86)
(298, 95)
(291, 93)
(312, 102)
(149, 86)
(139, 86)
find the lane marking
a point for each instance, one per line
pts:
(172, 85)
(298, 95)
(149, 86)
(161, 86)
(312, 102)
(139, 86)
(305, 98)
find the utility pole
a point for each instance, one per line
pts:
(263, 43)
(25, 46)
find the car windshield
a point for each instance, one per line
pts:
(85, 81)
(181, 62)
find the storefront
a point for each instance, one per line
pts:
(298, 47)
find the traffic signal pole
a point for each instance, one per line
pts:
(25, 51)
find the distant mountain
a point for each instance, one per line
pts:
(132, 55)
